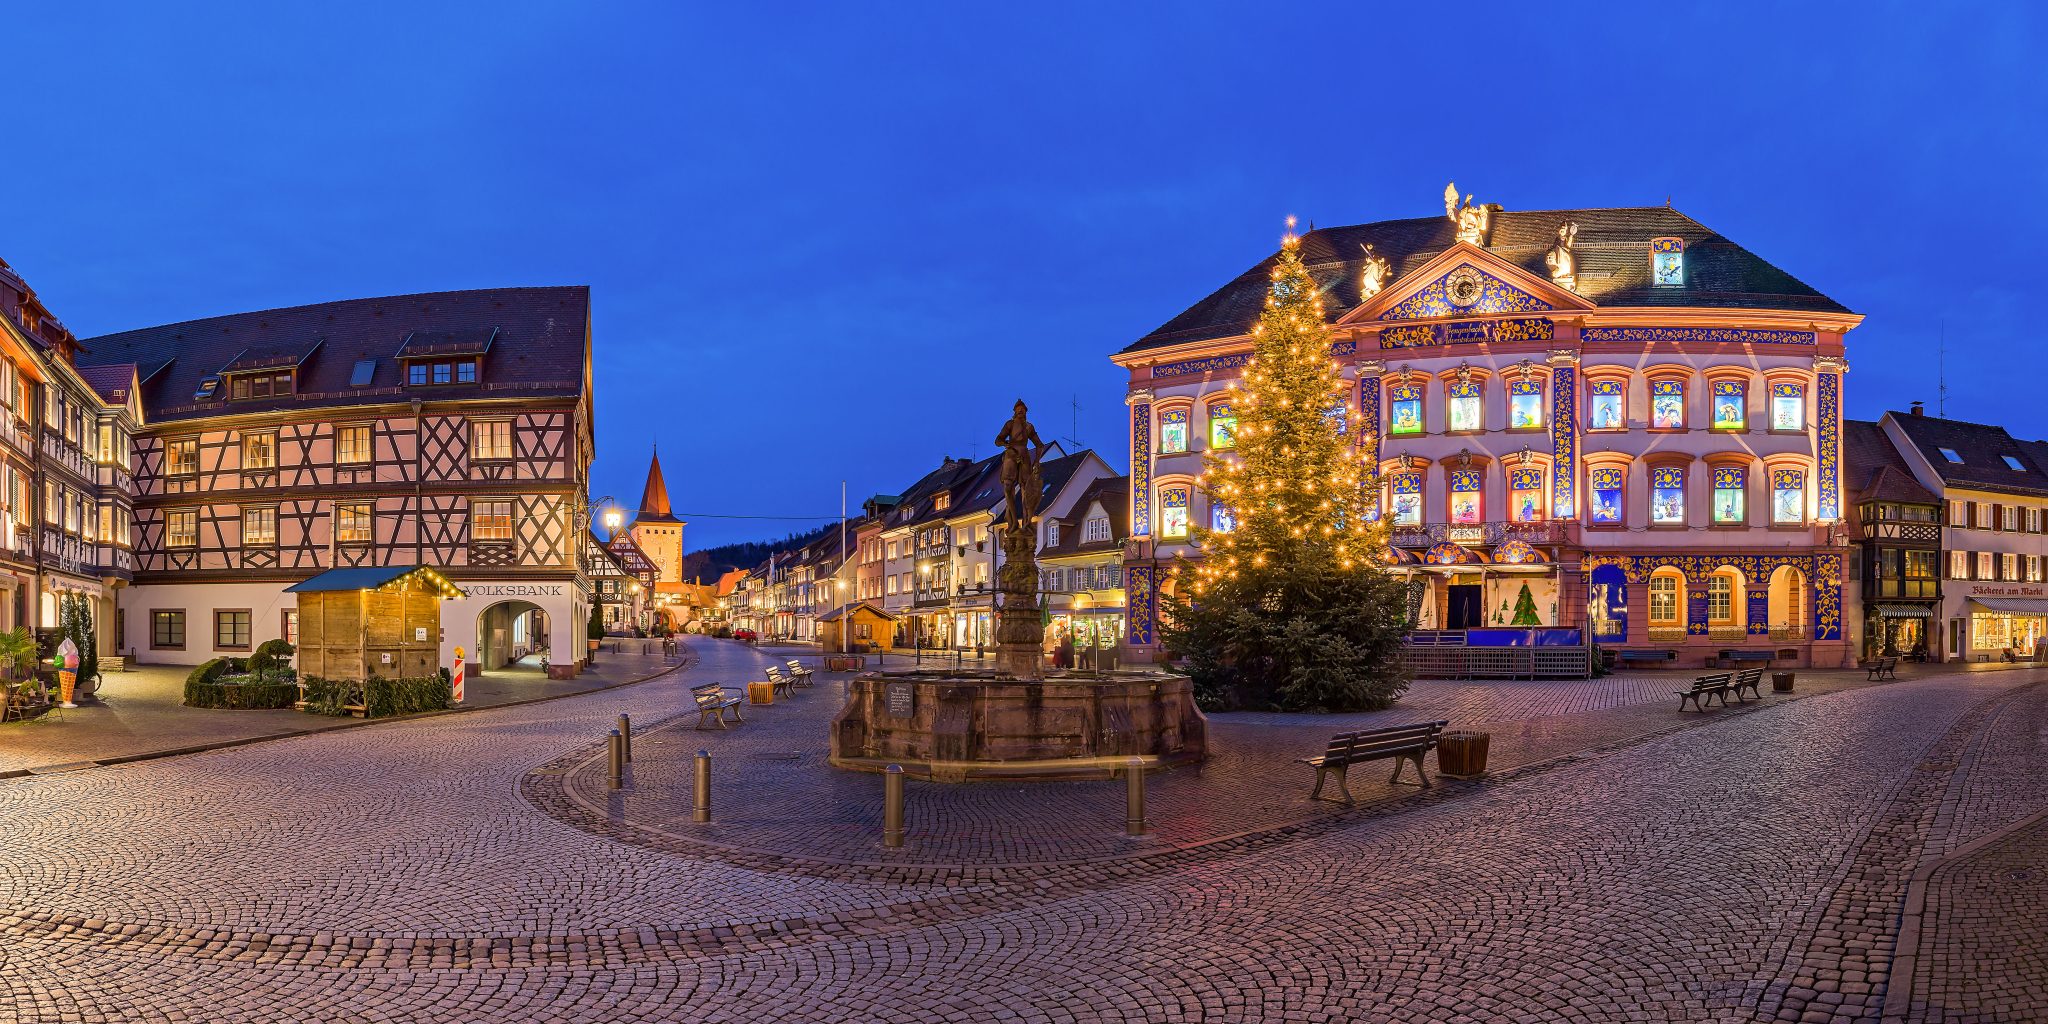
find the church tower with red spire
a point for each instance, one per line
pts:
(656, 528)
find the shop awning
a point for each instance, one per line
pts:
(1905, 611)
(2013, 605)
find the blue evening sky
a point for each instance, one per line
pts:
(836, 240)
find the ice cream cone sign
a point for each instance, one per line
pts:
(67, 672)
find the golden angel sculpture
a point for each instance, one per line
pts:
(1474, 220)
(1375, 275)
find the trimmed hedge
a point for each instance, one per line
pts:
(203, 689)
(384, 697)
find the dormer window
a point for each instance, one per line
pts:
(942, 502)
(1667, 262)
(441, 371)
(259, 385)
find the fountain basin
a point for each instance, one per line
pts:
(960, 727)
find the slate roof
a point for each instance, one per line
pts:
(1982, 448)
(1613, 250)
(539, 347)
(1873, 469)
(1114, 495)
(111, 381)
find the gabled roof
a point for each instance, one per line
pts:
(1873, 469)
(1114, 495)
(855, 609)
(540, 349)
(111, 381)
(1982, 448)
(1612, 250)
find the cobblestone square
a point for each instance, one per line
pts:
(1850, 852)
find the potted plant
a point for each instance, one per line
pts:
(595, 632)
(18, 655)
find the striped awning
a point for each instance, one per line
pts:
(1905, 611)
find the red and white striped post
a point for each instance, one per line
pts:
(455, 677)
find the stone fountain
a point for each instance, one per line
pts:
(1016, 721)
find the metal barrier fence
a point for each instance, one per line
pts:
(1498, 662)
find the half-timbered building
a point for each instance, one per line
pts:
(449, 429)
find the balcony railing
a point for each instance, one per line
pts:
(1731, 633)
(1923, 589)
(1788, 632)
(1667, 634)
(1553, 531)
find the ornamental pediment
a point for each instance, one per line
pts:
(1465, 281)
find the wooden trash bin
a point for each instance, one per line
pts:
(1462, 755)
(761, 693)
(844, 662)
(1781, 682)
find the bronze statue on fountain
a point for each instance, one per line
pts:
(1020, 630)
(1014, 722)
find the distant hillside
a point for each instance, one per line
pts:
(711, 563)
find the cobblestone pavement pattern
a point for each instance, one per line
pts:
(1748, 868)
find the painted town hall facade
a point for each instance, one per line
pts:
(1615, 420)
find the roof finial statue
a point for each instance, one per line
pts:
(1564, 266)
(1376, 274)
(1474, 220)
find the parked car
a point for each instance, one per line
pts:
(745, 634)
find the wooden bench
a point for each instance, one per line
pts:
(1884, 668)
(713, 702)
(1640, 654)
(784, 685)
(1402, 743)
(802, 674)
(1716, 685)
(1750, 681)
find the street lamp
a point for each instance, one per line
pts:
(612, 518)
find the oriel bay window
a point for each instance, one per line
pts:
(1788, 496)
(1467, 486)
(1525, 495)
(1667, 496)
(1731, 409)
(1788, 407)
(1730, 491)
(1173, 431)
(1606, 484)
(1222, 425)
(1173, 512)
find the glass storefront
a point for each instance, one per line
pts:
(2005, 631)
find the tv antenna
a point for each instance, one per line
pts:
(1941, 386)
(1074, 421)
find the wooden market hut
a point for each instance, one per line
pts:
(369, 622)
(873, 629)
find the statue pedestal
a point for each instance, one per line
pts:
(963, 727)
(1020, 661)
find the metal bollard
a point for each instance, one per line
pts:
(702, 810)
(626, 735)
(1134, 796)
(616, 756)
(892, 806)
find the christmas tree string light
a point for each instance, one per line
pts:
(1306, 552)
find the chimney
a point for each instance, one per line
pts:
(1919, 408)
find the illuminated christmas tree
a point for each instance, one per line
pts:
(1289, 604)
